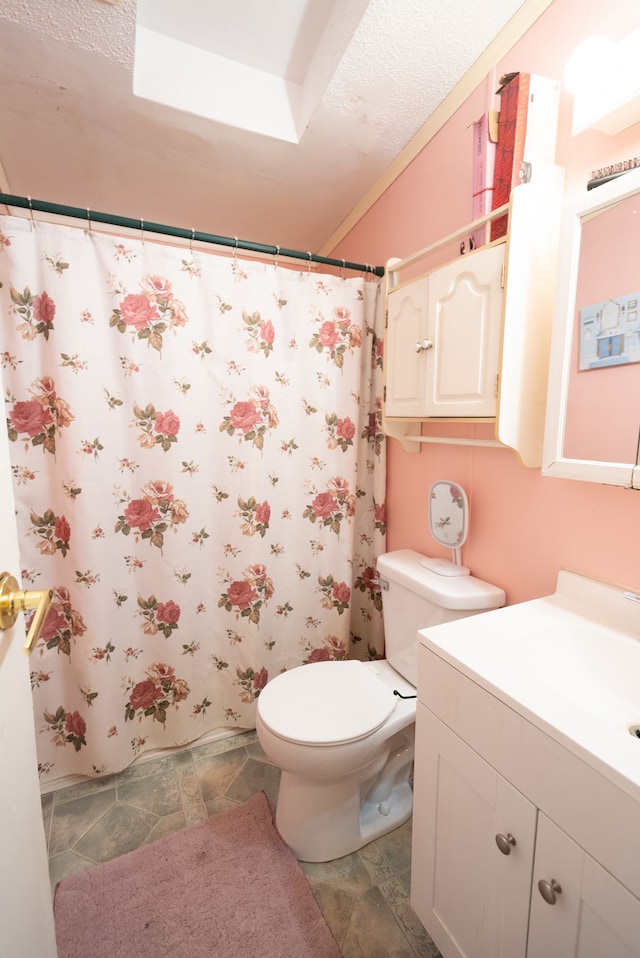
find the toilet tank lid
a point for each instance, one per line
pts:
(458, 593)
(326, 703)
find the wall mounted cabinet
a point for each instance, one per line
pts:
(443, 339)
(470, 341)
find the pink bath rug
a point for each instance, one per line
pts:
(227, 887)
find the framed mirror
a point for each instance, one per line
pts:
(592, 428)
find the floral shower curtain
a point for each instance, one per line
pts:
(199, 472)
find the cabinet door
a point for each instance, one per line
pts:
(465, 325)
(472, 898)
(593, 916)
(405, 355)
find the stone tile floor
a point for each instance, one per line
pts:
(364, 896)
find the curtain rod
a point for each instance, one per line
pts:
(76, 212)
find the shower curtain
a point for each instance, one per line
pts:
(199, 472)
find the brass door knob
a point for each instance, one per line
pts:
(14, 600)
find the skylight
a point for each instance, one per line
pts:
(259, 66)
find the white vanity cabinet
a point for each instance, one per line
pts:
(591, 916)
(443, 339)
(473, 899)
(520, 849)
(470, 341)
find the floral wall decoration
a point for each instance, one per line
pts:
(199, 472)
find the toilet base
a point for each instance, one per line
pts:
(374, 823)
(324, 820)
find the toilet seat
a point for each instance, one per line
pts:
(326, 703)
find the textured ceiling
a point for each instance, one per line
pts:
(72, 132)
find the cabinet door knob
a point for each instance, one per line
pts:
(505, 843)
(423, 346)
(549, 890)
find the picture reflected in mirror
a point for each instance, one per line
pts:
(603, 413)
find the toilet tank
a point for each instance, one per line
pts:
(417, 598)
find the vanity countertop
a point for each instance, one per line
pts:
(569, 663)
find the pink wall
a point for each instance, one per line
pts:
(524, 527)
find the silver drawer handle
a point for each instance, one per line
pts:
(549, 890)
(423, 346)
(505, 843)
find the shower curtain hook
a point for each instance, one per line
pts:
(235, 251)
(342, 269)
(33, 222)
(275, 258)
(142, 231)
(193, 234)
(90, 228)
(309, 263)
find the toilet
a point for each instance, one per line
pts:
(342, 732)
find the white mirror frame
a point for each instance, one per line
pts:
(554, 463)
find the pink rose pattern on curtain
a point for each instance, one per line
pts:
(199, 472)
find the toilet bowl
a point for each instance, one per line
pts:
(333, 797)
(342, 732)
